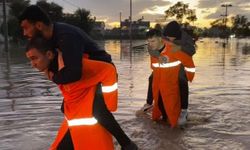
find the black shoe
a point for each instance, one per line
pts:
(131, 146)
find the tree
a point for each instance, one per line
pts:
(218, 23)
(81, 18)
(217, 28)
(191, 16)
(240, 25)
(181, 11)
(54, 10)
(14, 29)
(17, 6)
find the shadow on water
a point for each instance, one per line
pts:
(219, 114)
(246, 49)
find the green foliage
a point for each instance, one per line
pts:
(240, 26)
(218, 29)
(81, 18)
(219, 23)
(17, 6)
(191, 17)
(54, 10)
(14, 29)
(181, 11)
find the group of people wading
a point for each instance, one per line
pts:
(87, 79)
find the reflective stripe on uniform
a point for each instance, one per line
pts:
(190, 69)
(81, 121)
(166, 65)
(108, 89)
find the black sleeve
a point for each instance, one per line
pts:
(72, 53)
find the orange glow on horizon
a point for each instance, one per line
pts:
(199, 23)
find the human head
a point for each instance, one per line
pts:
(40, 53)
(172, 31)
(33, 21)
(154, 38)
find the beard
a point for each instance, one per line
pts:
(37, 33)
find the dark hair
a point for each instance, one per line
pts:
(153, 33)
(41, 44)
(34, 13)
(172, 29)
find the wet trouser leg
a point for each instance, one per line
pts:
(150, 91)
(66, 143)
(107, 120)
(161, 107)
(184, 90)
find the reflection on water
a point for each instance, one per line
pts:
(219, 115)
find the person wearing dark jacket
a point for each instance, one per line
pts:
(182, 39)
(73, 43)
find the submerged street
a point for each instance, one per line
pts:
(219, 115)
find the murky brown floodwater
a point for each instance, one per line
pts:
(219, 114)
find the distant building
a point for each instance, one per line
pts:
(99, 26)
(136, 25)
(138, 28)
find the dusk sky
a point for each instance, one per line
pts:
(153, 10)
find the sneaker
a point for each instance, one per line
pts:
(146, 107)
(183, 117)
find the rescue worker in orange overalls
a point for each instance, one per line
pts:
(80, 129)
(73, 42)
(84, 129)
(165, 86)
(185, 40)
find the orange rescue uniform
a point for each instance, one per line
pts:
(85, 131)
(166, 82)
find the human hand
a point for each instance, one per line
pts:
(60, 60)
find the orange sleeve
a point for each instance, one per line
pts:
(188, 64)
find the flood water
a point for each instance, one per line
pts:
(219, 106)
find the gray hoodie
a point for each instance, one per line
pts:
(187, 43)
